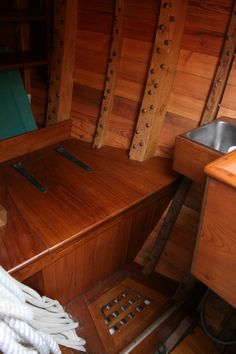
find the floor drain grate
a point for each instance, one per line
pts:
(124, 311)
(123, 308)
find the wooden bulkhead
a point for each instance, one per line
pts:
(84, 195)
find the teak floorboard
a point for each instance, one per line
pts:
(75, 201)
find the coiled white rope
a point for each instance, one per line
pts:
(32, 324)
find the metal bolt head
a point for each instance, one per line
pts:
(149, 92)
(151, 107)
(155, 85)
(134, 146)
(147, 125)
(166, 5)
(172, 19)
(137, 131)
(144, 110)
(162, 27)
(152, 71)
(141, 143)
(158, 50)
(162, 66)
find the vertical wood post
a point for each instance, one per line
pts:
(24, 44)
(63, 61)
(221, 76)
(111, 74)
(159, 79)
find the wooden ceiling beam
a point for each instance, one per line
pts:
(111, 75)
(159, 79)
(63, 61)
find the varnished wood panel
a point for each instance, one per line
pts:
(75, 201)
(26, 143)
(138, 34)
(101, 253)
(214, 261)
(190, 158)
(205, 27)
(223, 169)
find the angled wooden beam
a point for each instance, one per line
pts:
(159, 79)
(63, 60)
(223, 69)
(111, 75)
(161, 237)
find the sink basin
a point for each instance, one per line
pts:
(200, 146)
(219, 135)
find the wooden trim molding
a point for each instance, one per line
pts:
(111, 74)
(63, 61)
(222, 73)
(159, 79)
(32, 141)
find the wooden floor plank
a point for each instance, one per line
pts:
(197, 343)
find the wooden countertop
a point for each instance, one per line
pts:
(223, 169)
(75, 201)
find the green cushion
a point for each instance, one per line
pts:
(15, 112)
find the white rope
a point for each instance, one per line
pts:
(9, 342)
(30, 323)
(10, 283)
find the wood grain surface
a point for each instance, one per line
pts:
(190, 158)
(214, 260)
(76, 202)
(38, 139)
(223, 169)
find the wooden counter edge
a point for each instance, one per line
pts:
(223, 169)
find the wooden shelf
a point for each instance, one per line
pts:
(18, 15)
(20, 60)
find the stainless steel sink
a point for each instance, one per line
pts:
(198, 147)
(218, 135)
